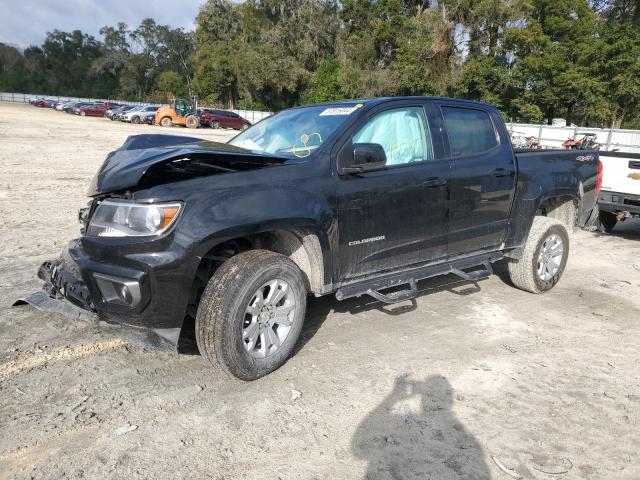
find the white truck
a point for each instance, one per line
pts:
(619, 198)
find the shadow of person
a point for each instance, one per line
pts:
(413, 434)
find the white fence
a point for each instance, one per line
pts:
(553, 137)
(252, 115)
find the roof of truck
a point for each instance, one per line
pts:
(379, 100)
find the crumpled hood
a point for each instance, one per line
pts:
(124, 168)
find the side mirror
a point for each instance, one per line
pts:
(361, 157)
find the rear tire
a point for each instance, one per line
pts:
(606, 221)
(135, 120)
(544, 256)
(215, 125)
(228, 333)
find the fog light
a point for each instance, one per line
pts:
(119, 291)
(125, 294)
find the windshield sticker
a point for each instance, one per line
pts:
(339, 110)
(305, 150)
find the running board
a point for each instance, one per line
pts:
(373, 286)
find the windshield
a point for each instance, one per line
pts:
(295, 133)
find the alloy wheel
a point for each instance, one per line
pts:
(550, 257)
(268, 318)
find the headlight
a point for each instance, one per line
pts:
(127, 219)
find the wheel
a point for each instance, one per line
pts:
(166, 122)
(251, 314)
(113, 117)
(135, 120)
(215, 125)
(191, 121)
(83, 114)
(543, 258)
(244, 127)
(606, 221)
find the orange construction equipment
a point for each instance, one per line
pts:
(179, 112)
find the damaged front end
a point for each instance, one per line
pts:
(66, 293)
(63, 291)
(125, 270)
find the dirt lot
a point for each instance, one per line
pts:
(439, 388)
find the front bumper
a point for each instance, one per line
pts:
(122, 284)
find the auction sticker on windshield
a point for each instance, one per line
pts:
(339, 110)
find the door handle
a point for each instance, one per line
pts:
(434, 182)
(502, 172)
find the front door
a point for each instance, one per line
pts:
(396, 216)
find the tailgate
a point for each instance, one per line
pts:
(621, 172)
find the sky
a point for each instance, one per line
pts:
(26, 22)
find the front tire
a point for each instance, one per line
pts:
(191, 121)
(544, 256)
(606, 221)
(214, 125)
(251, 314)
(166, 122)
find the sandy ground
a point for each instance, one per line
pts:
(438, 388)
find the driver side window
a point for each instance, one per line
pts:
(403, 133)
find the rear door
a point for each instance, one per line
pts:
(396, 216)
(482, 179)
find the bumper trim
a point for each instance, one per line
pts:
(43, 302)
(161, 339)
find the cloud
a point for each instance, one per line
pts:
(26, 22)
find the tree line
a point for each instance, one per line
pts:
(535, 59)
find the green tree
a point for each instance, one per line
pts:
(324, 85)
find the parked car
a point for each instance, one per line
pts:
(62, 105)
(121, 114)
(94, 109)
(222, 119)
(115, 112)
(135, 114)
(351, 198)
(71, 107)
(620, 195)
(148, 117)
(44, 102)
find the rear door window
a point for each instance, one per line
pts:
(470, 131)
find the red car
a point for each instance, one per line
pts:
(222, 119)
(95, 109)
(43, 102)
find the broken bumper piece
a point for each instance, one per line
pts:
(60, 282)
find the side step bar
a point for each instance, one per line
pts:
(373, 286)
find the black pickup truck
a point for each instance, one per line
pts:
(362, 197)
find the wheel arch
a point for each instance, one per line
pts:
(564, 207)
(302, 243)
